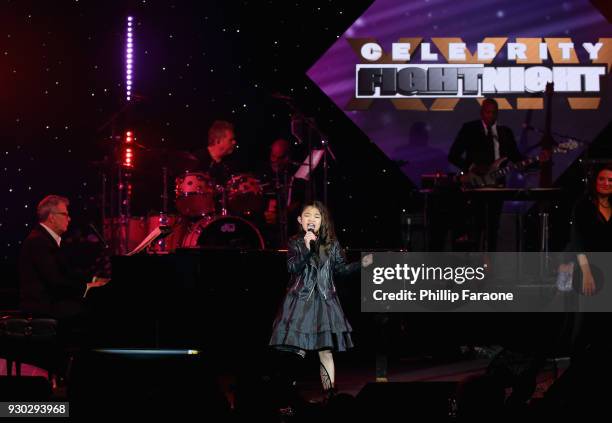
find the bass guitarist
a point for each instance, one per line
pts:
(477, 146)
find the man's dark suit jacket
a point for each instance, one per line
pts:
(473, 147)
(47, 285)
(220, 172)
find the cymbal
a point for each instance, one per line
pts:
(151, 161)
(176, 161)
(181, 161)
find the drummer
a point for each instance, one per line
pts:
(215, 159)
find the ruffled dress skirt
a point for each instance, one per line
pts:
(311, 324)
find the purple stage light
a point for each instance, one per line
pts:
(129, 51)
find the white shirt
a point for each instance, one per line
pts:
(495, 138)
(55, 236)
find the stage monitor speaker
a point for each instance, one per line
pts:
(24, 388)
(144, 382)
(407, 401)
(582, 391)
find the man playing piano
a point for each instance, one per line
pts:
(48, 286)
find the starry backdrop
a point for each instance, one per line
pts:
(62, 81)
(63, 94)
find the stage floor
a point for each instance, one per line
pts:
(353, 373)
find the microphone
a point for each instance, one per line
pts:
(311, 228)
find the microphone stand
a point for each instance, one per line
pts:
(299, 119)
(281, 187)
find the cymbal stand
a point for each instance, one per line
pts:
(221, 189)
(163, 214)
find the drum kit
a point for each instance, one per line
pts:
(196, 194)
(208, 215)
(221, 211)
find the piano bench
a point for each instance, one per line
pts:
(27, 339)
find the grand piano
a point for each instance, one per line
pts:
(193, 298)
(224, 302)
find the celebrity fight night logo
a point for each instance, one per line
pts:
(410, 74)
(400, 73)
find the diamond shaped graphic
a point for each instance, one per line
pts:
(417, 133)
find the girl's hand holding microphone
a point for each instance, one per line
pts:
(310, 236)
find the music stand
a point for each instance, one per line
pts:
(305, 129)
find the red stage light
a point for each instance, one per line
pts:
(128, 154)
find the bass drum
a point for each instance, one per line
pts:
(122, 229)
(224, 232)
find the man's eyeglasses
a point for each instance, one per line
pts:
(62, 213)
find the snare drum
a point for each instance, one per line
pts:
(195, 194)
(244, 195)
